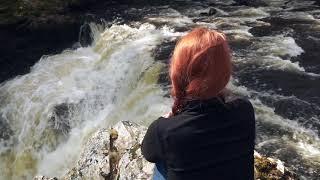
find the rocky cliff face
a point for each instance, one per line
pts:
(115, 154)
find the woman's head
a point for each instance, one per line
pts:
(200, 66)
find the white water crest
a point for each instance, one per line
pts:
(170, 17)
(278, 46)
(275, 52)
(54, 109)
(255, 13)
(291, 135)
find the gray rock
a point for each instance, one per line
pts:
(59, 120)
(45, 178)
(94, 161)
(270, 168)
(208, 12)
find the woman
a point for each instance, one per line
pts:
(205, 136)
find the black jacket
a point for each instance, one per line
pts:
(210, 139)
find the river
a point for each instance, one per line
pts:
(47, 115)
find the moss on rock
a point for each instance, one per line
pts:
(271, 169)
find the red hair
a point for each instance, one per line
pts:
(200, 66)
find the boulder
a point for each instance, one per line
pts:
(208, 12)
(95, 161)
(116, 154)
(85, 37)
(59, 120)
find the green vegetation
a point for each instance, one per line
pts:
(15, 11)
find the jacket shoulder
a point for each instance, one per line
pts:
(240, 103)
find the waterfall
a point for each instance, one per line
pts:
(52, 110)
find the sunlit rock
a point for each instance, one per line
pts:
(116, 153)
(269, 168)
(94, 161)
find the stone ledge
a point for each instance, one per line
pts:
(126, 157)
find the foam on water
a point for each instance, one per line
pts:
(255, 13)
(278, 46)
(170, 17)
(113, 80)
(272, 62)
(301, 140)
(275, 52)
(236, 22)
(270, 52)
(302, 16)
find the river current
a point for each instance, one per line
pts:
(47, 115)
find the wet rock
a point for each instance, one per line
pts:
(85, 38)
(44, 178)
(85, 34)
(60, 118)
(208, 12)
(94, 161)
(254, 3)
(163, 51)
(5, 130)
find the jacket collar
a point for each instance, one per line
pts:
(204, 104)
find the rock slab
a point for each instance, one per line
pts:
(94, 161)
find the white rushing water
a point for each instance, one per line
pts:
(283, 134)
(112, 80)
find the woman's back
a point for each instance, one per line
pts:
(209, 139)
(204, 137)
